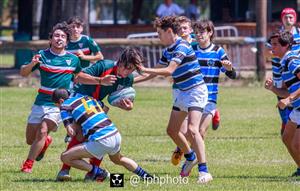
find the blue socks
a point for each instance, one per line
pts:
(190, 156)
(142, 173)
(202, 167)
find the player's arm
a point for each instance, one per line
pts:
(88, 76)
(67, 121)
(145, 77)
(161, 71)
(92, 58)
(28, 68)
(281, 92)
(227, 65)
(283, 103)
(85, 78)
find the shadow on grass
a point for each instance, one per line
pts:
(41, 180)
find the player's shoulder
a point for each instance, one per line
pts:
(71, 55)
(105, 64)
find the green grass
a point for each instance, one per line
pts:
(246, 153)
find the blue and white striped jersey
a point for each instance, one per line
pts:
(87, 113)
(210, 62)
(276, 72)
(187, 74)
(290, 64)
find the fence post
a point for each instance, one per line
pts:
(261, 30)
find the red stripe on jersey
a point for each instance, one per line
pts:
(112, 70)
(49, 92)
(56, 70)
(87, 52)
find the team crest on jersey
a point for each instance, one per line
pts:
(68, 62)
(210, 62)
(80, 45)
(120, 87)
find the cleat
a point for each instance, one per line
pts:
(101, 175)
(204, 178)
(98, 174)
(216, 120)
(176, 156)
(89, 176)
(187, 167)
(42, 153)
(63, 175)
(26, 167)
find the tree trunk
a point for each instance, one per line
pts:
(55, 11)
(261, 32)
(78, 8)
(25, 17)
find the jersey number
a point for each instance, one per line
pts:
(90, 108)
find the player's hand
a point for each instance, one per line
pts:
(227, 65)
(283, 103)
(141, 68)
(80, 54)
(125, 104)
(269, 84)
(70, 131)
(108, 80)
(36, 59)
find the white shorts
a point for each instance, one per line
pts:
(295, 117)
(40, 112)
(210, 108)
(110, 145)
(175, 93)
(195, 98)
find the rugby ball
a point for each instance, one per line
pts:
(125, 93)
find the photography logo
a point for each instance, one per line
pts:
(116, 180)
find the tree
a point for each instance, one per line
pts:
(55, 11)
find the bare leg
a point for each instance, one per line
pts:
(204, 124)
(31, 130)
(173, 130)
(296, 145)
(287, 138)
(121, 160)
(74, 157)
(40, 137)
(194, 118)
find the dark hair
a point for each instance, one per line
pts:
(131, 57)
(203, 25)
(183, 19)
(75, 20)
(284, 38)
(167, 22)
(60, 93)
(61, 26)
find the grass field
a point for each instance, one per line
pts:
(246, 153)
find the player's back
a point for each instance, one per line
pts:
(89, 115)
(290, 66)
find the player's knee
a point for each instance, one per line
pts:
(116, 161)
(170, 132)
(64, 158)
